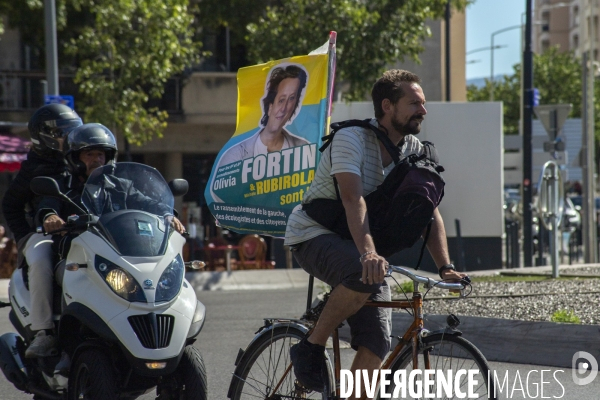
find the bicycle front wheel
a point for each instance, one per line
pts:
(265, 371)
(452, 359)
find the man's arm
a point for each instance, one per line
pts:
(437, 244)
(374, 266)
(136, 199)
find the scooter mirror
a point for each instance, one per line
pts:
(195, 264)
(178, 187)
(45, 186)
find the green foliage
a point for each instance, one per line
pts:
(126, 56)
(565, 316)
(405, 287)
(558, 77)
(122, 53)
(371, 34)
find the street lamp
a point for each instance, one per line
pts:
(492, 57)
(498, 46)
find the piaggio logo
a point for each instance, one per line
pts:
(23, 310)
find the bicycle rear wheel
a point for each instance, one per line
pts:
(265, 372)
(444, 353)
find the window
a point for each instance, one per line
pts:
(545, 45)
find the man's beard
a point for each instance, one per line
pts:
(407, 129)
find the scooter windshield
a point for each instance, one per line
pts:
(134, 205)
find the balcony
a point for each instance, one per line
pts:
(23, 91)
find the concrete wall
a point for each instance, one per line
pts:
(210, 97)
(432, 68)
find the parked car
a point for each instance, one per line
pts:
(578, 202)
(571, 215)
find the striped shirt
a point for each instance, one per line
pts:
(355, 150)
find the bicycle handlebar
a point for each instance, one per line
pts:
(428, 282)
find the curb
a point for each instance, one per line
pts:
(251, 280)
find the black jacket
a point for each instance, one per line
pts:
(72, 187)
(107, 195)
(20, 203)
(110, 193)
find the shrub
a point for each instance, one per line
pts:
(565, 316)
(405, 287)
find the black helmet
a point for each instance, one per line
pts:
(89, 137)
(49, 125)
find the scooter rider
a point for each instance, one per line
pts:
(88, 147)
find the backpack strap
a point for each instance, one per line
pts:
(431, 154)
(424, 244)
(392, 149)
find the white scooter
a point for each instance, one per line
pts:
(126, 318)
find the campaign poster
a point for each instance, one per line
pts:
(265, 169)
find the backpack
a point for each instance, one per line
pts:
(401, 208)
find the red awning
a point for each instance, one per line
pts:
(13, 150)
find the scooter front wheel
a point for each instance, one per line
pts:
(92, 377)
(188, 382)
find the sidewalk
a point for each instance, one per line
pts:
(265, 279)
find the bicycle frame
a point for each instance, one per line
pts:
(411, 334)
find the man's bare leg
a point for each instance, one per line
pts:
(342, 303)
(365, 359)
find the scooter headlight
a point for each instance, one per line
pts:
(170, 281)
(120, 281)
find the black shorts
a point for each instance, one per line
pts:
(335, 261)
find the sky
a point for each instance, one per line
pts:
(485, 17)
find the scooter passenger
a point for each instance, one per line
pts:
(48, 127)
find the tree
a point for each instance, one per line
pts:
(28, 17)
(126, 56)
(556, 74)
(371, 34)
(123, 52)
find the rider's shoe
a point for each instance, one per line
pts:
(42, 345)
(309, 361)
(63, 366)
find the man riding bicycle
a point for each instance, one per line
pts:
(359, 163)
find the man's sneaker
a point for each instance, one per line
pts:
(309, 360)
(63, 366)
(42, 345)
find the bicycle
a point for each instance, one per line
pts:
(264, 370)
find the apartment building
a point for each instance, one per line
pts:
(565, 23)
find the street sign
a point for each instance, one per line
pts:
(558, 145)
(535, 97)
(65, 99)
(553, 117)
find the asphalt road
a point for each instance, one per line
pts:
(233, 317)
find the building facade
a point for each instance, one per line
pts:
(569, 24)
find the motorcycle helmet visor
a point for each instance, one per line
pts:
(59, 128)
